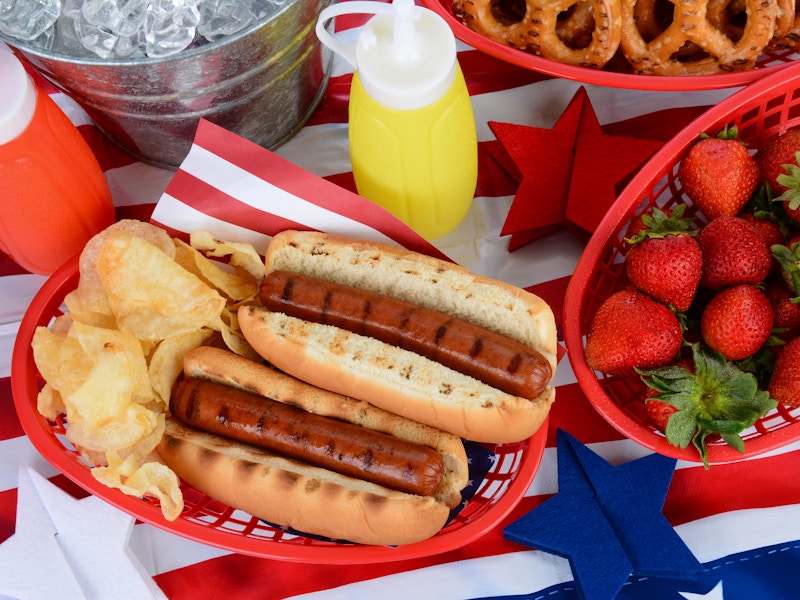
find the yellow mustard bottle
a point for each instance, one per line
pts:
(412, 137)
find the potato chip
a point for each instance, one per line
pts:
(61, 360)
(151, 295)
(149, 479)
(143, 301)
(103, 414)
(241, 255)
(80, 311)
(234, 286)
(167, 361)
(49, 403)
(122, 350)
(90, 290)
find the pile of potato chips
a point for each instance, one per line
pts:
(143, 301)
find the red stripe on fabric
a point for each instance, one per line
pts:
(660, 125)
(250, 578)
(553, 293)
(335, 103)
(9, 267)
(209, 200)
(759, 483)
(343, 180)
(484, 73)
(295, 180)
(573, 412)
(141, 212)
(8, 513)
(9, 425)
(108, 154)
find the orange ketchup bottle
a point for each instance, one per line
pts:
(53, 195)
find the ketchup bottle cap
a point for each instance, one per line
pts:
(18, 100)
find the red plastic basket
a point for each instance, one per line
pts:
(618, 72)
(513, 467)
(762, 109)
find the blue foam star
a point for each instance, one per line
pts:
(607, 521)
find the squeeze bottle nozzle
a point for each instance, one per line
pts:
(404, 42)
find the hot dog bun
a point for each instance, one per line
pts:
(397, 380)
(310, 499)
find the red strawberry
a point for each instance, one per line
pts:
(714, 398)
(665, 261)
(779, 162)
(769, 230)
(784, 385)
(659, 412)
(632, 331)
(774, 154)
(733, 253)
(719, 174)
(788, 257)
(787, 313)
(737, 321)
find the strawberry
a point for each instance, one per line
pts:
(719, 174)
(787, 313)
(779, 163)
(665, 261)
(658, 412)
(769, 230)
(716, 397)
(733, 253)
(737, 321)
(784, 385)
(630, 331)
(788, 258)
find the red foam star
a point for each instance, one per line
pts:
(568, 175)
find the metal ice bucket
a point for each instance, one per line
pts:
(262, 83)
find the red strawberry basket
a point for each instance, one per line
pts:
(761, 110)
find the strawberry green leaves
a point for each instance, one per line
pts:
(718, 398)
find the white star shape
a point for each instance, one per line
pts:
(715, 594)
(68, 548)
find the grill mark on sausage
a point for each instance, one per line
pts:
(494, 359)
(292, 432)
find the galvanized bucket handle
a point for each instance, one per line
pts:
(362, 7)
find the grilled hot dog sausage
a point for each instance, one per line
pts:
(321, 441)
(469, 349)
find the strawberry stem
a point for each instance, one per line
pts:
(718, 398)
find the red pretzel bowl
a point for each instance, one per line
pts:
(617, 73)
(205, 520)
(763, 109)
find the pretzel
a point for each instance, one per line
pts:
(790, 38)
(574, 27)
(690, 24)
(537, 30)
(728, 16)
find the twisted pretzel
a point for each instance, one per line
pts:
(537, 29)
(659, 56)
(728, 16)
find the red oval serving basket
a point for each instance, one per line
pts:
(762, 109)
(513, 467)
(618, 72)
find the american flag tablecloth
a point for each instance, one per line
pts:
(741, 521)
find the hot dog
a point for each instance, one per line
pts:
(481, 353)
(417, 336)
(301, 457)
(314, 439)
